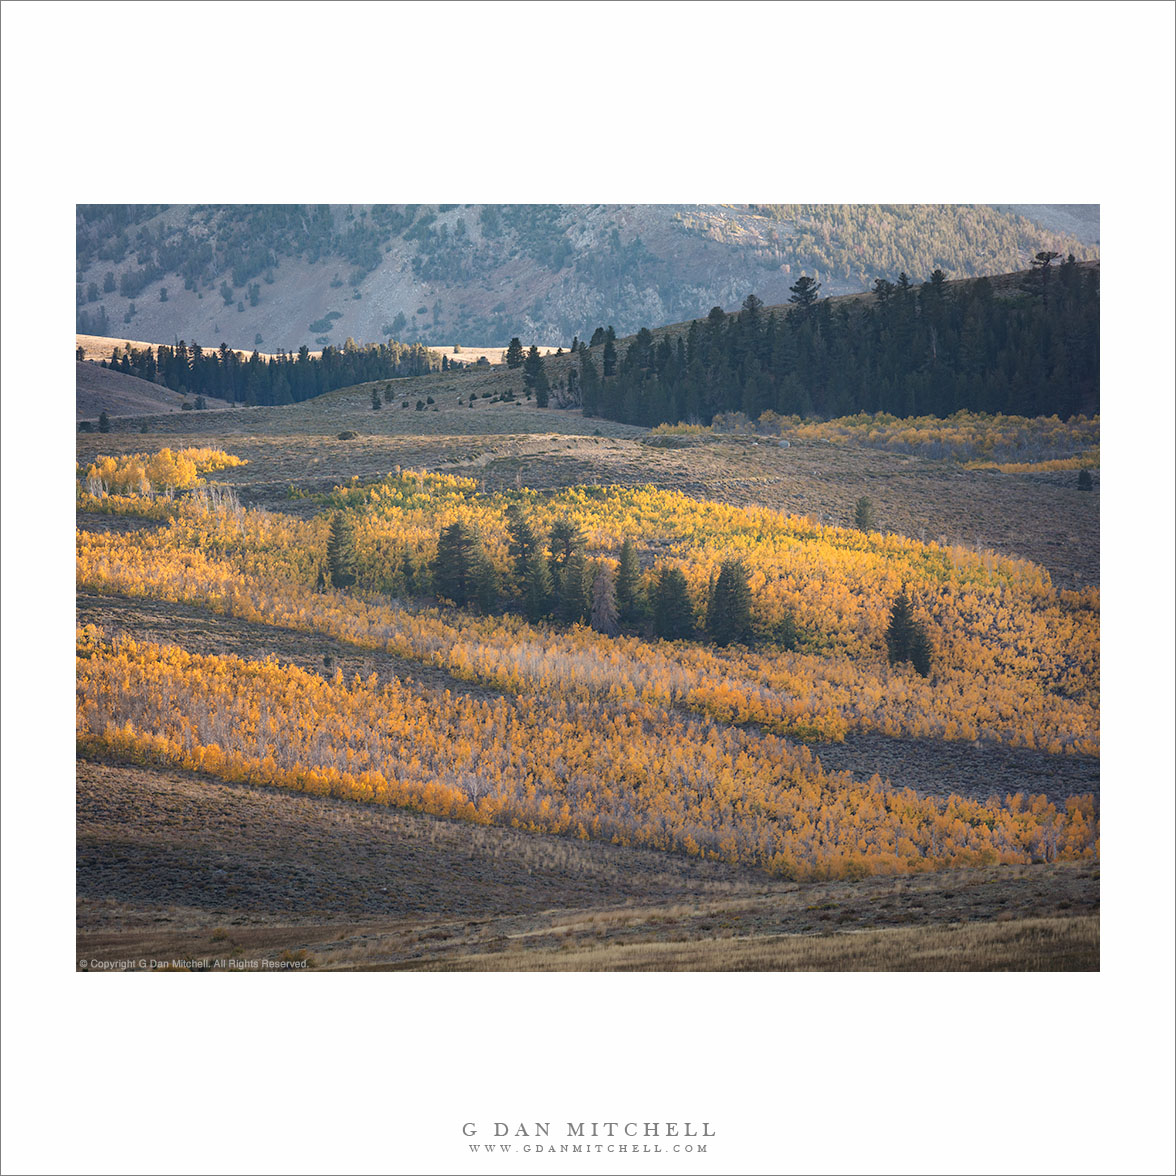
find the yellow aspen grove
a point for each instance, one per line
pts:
(679, 745)
(1014, 444)
(143, 474)
(1015, 661)
(546, 764)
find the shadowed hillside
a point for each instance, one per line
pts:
(100, 390)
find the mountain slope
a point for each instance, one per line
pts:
(101, 390)
(279, 276)
(1078, 220)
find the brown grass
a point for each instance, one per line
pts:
(1022, 945)
(176, 866)
(102, 346)
(473, 354)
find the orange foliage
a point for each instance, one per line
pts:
(1015, 661)
(634, 773)
(142, 473)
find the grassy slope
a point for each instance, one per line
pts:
(99, 390)
(174, 865)
(1042, 517)
(1021, 945)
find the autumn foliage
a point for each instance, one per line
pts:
(669, 744)
(544, 764)
(1011, 444)
(145, 474)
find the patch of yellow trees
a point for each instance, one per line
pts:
(638, 774)
(672, 745)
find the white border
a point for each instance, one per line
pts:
(603, 102)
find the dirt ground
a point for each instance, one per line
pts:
(1041, 517)
(172, 866)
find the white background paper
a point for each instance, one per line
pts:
(599, 102)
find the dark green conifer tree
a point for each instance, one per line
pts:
(589, 384)
(536, 586)
(485, 582)
(628, 584)
(804, 293)
(565, 538)
(610, 353)
(341, 556)
(863, 514)
(523, 541)
(574, 601)
(920, 650)
(514, 353)
(728, 619)
(673, 610)
(906, 638)
(535, 378)
(455, 564)
(900, 629)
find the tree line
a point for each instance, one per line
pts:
(285, 378)
(908, 350)
(553, 579)
(550, 577)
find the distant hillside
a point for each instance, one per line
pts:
(1078, 220)
(281, 276)
(100, 390)
(100, 347)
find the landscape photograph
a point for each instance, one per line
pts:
(482, 587)
(619, 569)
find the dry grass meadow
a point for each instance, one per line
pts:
(98, 347)
(181, 868)
(185, 869)
(1039, 516)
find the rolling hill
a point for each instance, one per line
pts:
(281, 276)
(99, 390)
